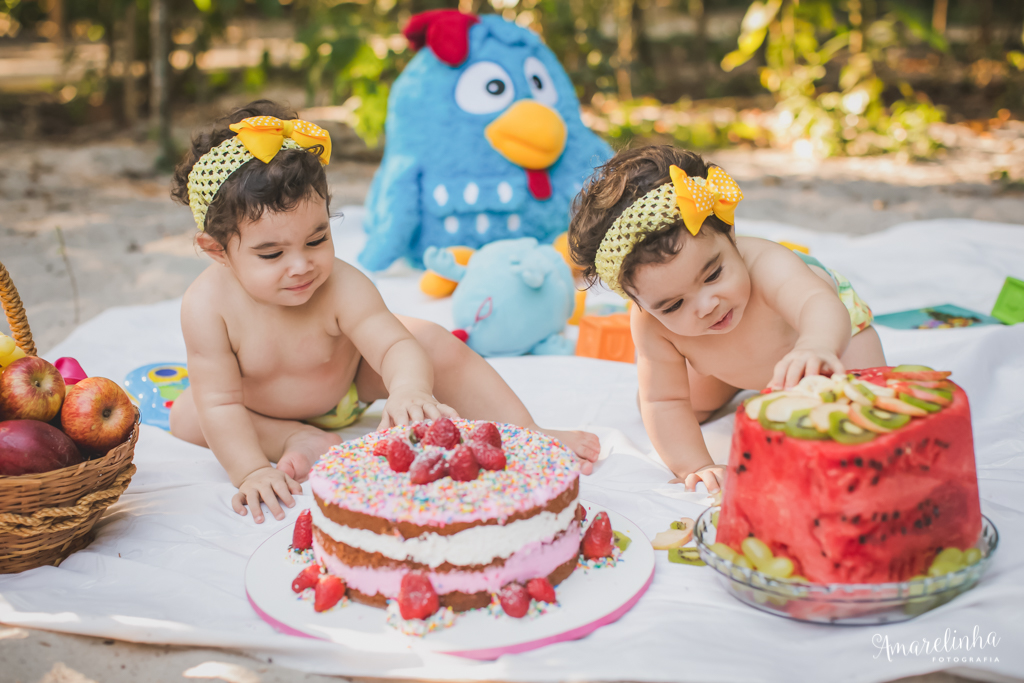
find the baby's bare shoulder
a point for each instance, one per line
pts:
(206, 296)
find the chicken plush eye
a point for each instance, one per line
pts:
(484, 88)
(542, 88)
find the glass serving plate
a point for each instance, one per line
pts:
(856, 603)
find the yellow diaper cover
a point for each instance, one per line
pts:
(860, 312)
(347, 412)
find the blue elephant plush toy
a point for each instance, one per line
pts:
(484, 142)
(513, 297)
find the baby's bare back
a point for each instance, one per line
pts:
(295, 362)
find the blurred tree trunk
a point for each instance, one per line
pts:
(939, 13)
(55, 13)
(627, 42)
(700, 42)
(159, 76)
(131, 95)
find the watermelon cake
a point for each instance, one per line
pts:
(453, 510)
(863, 478)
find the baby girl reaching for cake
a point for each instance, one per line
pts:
(714, 313)
(285, 341)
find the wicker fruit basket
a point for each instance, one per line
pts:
(45, 517)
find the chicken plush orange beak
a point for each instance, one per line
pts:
(528, 134)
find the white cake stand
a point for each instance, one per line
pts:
(587, 600)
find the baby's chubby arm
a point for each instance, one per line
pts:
(666, 408)
(216, 383)
(810, 306)
(390, 349)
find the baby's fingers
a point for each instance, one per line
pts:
(237, 504)
(430, 411)
(712, 478)
(253, 501)
(293, 486)
(385, 421)
(283, 491)
(691, 481)
(269, 494)
(415, 413)
(446, 410)
(793, 374)
(779, 375)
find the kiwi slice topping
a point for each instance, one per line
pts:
(801, 427)
(828, 396)
(843, 431)
(924, 405)
(763, 418)
(941, 393)
(884, 418)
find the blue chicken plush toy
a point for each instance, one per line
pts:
(513, 297)
(484, 142)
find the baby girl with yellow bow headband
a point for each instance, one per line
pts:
(714, 313)
(287, 344)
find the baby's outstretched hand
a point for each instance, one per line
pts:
(800, 362)
(713, 477)
(414, 406)
(266, 484)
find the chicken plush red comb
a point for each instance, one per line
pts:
(445, 31)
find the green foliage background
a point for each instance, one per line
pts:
(831, 67)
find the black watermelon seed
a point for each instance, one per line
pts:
(851, 487)
(817, 522)
(903, 530)
(885, 516)
(842, 518)
(741, 468)
(856, 519)
(935, 510)
(747, 456)
(768, 439)
(941, 444)
(875, 464)
(899, 451)
(927, 521)
(874, 480)
(874, 516)
(858, 461)
(823, 554)
(925, 468)
(835, 565)
(861, 539)
(917, 524)
(842, 463)
(895, 515)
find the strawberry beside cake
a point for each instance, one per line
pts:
(469, 506)
(863, 478)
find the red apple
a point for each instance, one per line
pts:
(30, 447)
(97, 415)
(30, 389)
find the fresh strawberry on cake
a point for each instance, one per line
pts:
(860, 478)
(460, 508)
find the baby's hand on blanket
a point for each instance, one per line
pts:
(266, 484)
(713, 477)
(800, 362)
(412, 406)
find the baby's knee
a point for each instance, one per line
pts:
(442, 346)
(184, 420)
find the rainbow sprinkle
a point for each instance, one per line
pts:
(539, 468)
(442, 618)
(300, 556)
(536, 609)
(601, 562)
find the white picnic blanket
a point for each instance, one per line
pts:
(167, 565)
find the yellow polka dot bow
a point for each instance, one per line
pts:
(259, 137)
(691, 198)
(263, 136)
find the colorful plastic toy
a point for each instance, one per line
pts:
(606, 337)
(1010, 304)
(154, 388)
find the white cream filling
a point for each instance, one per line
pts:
(476, 545)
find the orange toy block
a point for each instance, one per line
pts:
(607, 337)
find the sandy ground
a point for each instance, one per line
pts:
(87, 226)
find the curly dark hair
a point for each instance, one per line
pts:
(626, 177)
(290, 177)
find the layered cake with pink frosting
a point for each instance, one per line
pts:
(473, 506)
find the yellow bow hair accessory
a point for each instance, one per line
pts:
(691, 198)
(263, 136)
(698, 197)
(259, 137)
